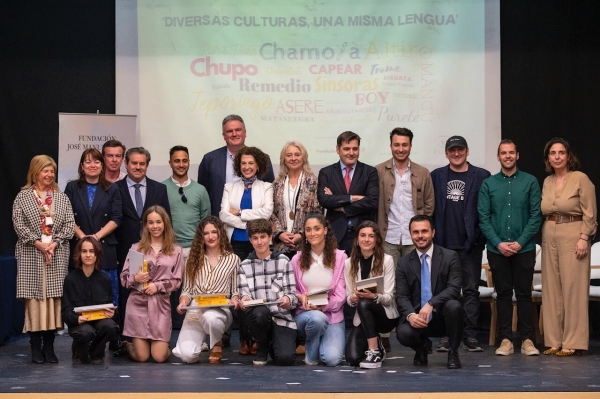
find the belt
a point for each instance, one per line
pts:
(558, 218)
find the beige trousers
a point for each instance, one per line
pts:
(565, 287)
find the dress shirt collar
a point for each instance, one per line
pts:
(513, 176)
(130, 182)
(343, 166)
(429, 254)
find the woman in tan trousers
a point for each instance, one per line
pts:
(569, 209)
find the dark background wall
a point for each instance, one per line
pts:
(58, 56)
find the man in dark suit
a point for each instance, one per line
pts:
(216, 167)
(349, 190)
(137, 194)
(428, 282)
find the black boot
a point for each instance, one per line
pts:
(35, 339)
(48, 347)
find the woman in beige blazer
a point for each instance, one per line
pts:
(569, 209)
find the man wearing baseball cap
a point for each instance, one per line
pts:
(456, 187)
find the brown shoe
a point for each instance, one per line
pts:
(215, 355)
(244, 348)
(385, 341)
(569, 352)
(254, 348)
(551, 351)
(300, 350)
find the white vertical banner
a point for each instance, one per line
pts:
(78, 132)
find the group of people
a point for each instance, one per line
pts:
(277, 242)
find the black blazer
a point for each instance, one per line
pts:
(446, 280)
(105, 208)
(365, 181)
(212, 173)
(128, 232)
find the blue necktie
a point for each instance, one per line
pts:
(425, 281)
(139, 205)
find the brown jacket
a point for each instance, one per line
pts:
(422, 191)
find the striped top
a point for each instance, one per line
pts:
(220, 279)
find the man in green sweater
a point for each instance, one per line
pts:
(509, 217)
(188, 199)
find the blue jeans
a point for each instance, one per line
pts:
(323, 341)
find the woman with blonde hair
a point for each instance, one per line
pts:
(294, 197)
(44, 223)
(211, 268)
(148, 315)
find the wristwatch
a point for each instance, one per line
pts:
(376, 297)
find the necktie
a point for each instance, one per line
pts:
(425, 281)
(139, 205)
(347, 180)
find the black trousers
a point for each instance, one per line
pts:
(445, 321)
(279, 341)
(90, 338)
(373, 321)
(514, 272)
(242, 248)
(345, 244)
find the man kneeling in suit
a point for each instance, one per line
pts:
(428, 282)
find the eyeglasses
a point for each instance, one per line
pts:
(183, 197)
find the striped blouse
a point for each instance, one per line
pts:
(220, 279)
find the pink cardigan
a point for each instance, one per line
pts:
(334, 310)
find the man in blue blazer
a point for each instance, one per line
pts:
(134, 204)
(216, 167)
(456, 188)
(428, 282)
(349, 190)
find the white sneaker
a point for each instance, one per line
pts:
(373, 359)
(506, 348)
(309, 363)
(529, 349)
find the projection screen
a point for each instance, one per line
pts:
(306, 70)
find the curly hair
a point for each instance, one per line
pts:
(356, 255)
(330, 245)
(262, 161)
(195, 261)
(572, 161)
(94, 155)
(77, 262)
(169, 239)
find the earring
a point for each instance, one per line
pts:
(357, 245)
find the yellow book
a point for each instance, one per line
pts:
(94, 315)
(94, 312)
(211, 300)
(145, 270)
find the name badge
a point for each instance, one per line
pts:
(49, 221)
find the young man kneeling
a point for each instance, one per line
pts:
(267, 275)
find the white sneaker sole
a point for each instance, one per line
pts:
(370, 365)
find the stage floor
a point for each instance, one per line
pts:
(481, 372)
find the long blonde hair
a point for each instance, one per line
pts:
(283, 169)
(169, 239)
(37, 164)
